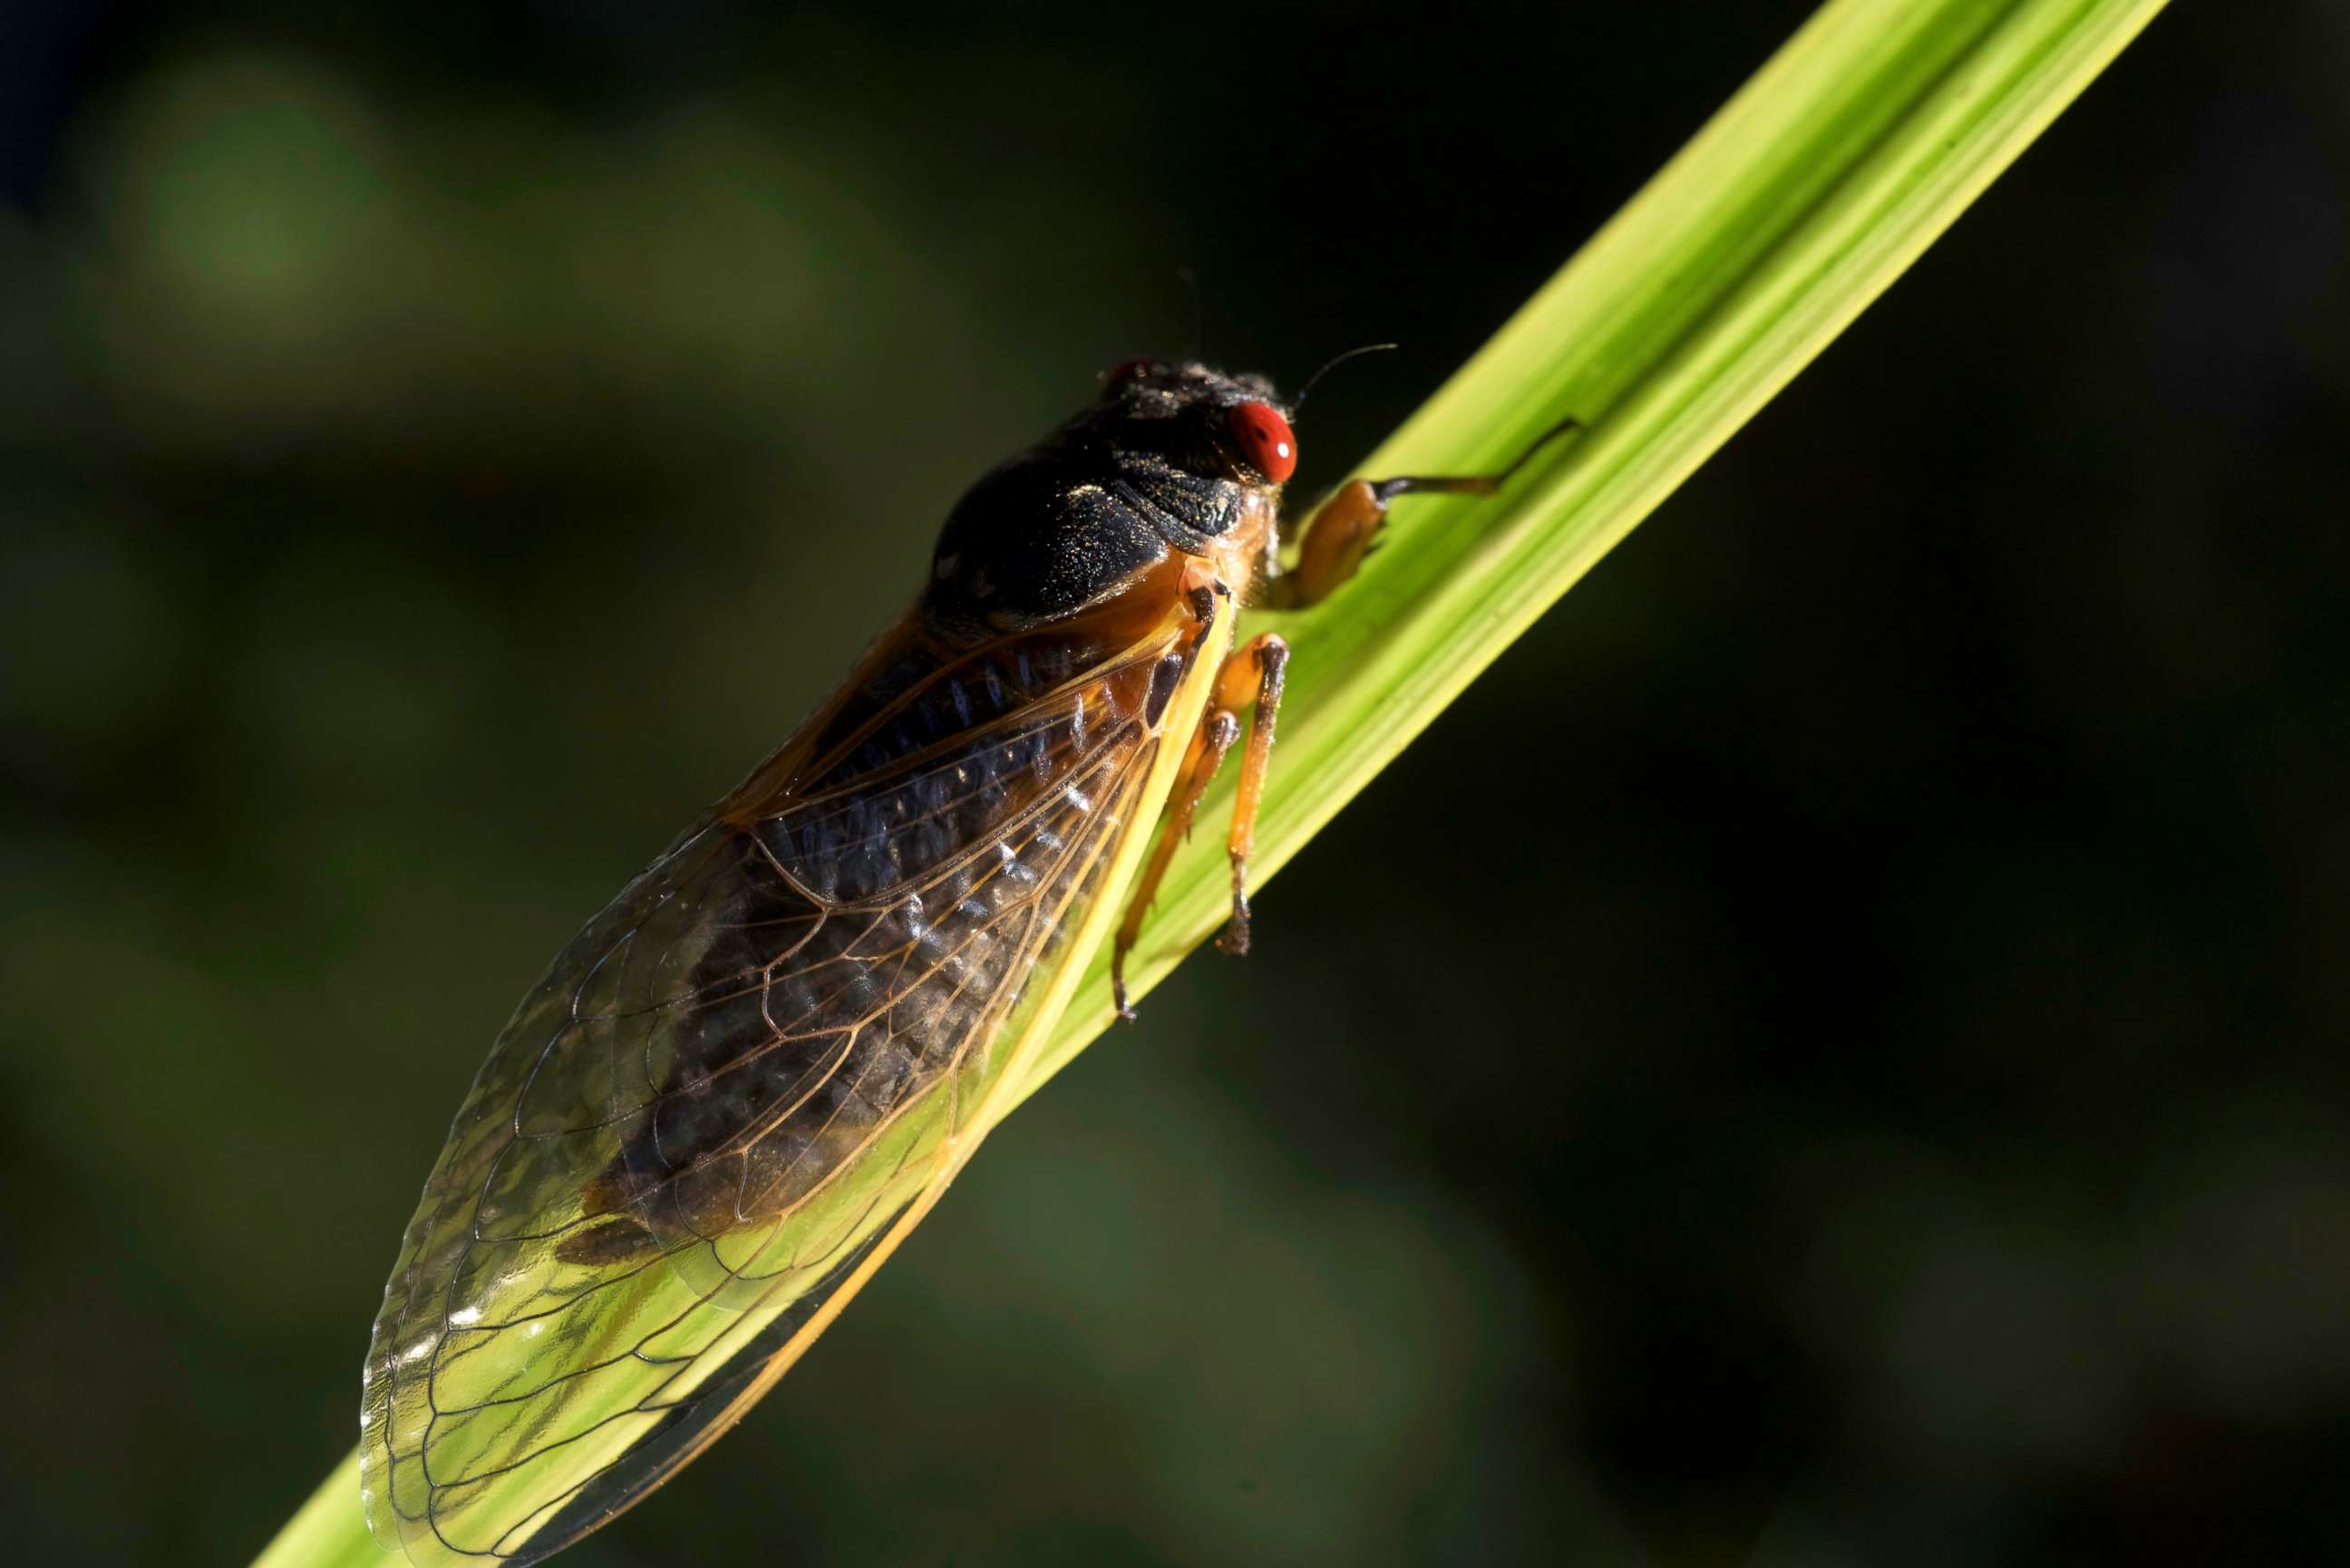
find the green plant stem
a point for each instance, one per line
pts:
(1852, 150)
(1815, 187)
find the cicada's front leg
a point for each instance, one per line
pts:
(1341, 531)
(1251, 675)
(1344, 528)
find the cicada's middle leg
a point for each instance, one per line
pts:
(1252, 676)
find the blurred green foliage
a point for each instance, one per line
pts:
(440, 448)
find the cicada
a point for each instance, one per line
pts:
(743, 1084)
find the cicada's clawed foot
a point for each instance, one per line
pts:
(1234, 943)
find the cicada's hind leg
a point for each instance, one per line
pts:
(1251, 675)
(1344, 528)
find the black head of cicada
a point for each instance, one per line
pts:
(1171, 458)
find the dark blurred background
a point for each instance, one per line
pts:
(1830, 1054)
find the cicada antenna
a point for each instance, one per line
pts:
(1298, 401)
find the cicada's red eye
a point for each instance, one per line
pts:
(1126, 370)
(1265, 440)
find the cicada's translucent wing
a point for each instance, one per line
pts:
(735, 1089)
